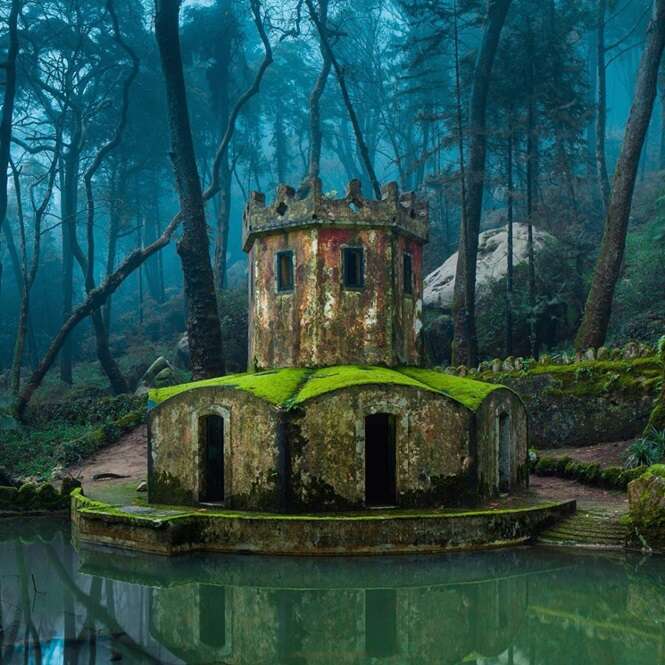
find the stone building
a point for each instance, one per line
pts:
(337, 414)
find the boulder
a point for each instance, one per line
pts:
(182, 358)
(160, 374)
(492, 263)
(646, 498)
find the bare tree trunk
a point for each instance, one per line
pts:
(598, 309)
(339, 73)
(223, 223)
(601, 107)
(531, 159)
(69, 179)
(107, 361)
(315, 137)
(8, 112)
(661, 87)
(465, 347)
(99, 296)
(8, 107)
(509, 255)
(203, 326)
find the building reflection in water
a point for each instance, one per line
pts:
(519, 607)
(415, 624)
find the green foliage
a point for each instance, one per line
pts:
(648, 450)
(66, 433)
(613, 477)
(639, 302)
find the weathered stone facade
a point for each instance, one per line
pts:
(340, 417)
(312, 456)
(320, 320)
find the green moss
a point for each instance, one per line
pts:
(166, 487)
(274, 386)
(329, 379)
(613, 477)
(293, 386)
(467, 391)
(163, 514)
(594, 378)
(656, 470)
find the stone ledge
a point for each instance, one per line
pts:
(172, 531)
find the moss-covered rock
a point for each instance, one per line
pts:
(646, 498)
(587, 402)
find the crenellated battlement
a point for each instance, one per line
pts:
(308, 206)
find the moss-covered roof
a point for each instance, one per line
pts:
(294, 385)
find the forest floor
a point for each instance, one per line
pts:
(128, 459)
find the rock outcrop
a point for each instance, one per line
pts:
(492, 263)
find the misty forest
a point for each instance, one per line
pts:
(246, 244)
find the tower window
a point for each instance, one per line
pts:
(353, 267)
(285, 271)
(407, 272)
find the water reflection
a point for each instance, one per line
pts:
(530, 607)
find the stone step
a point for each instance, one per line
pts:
(587, 529)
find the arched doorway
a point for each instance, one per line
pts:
(380, 460)
(505, 453)
(211, 430)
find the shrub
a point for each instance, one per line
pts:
(648, 450)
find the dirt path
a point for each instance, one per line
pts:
(605, 454)
(560, 489)
(128, 457)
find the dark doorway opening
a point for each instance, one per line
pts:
(212, 429)
(212, 615)
(504, 453)
(380, 460)
(381, 623)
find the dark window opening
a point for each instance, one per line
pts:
(212, 429)
(380, 460)
(408, 274)
(505, 454)
(381, 623)
(353, 267)
(285, 273)
(212, 615)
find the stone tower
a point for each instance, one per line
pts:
(335, 281)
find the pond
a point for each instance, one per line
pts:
(527, 606)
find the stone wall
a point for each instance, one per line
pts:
(251, 453)
(586, 403)
(488, 435)
(321, 322)
(327, 447)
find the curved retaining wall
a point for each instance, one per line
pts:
(173, 531)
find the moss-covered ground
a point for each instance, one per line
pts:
(593, 378)
(140, 511)
(292, 386)
(65, 433)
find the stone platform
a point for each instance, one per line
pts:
(172, 530)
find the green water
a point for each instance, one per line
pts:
(526, 606)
